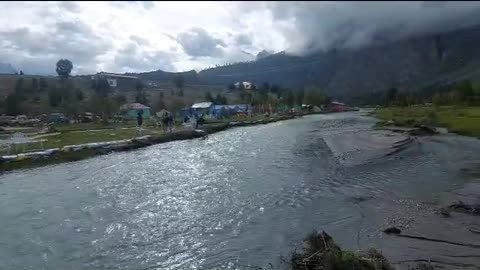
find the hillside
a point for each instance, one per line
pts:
(344, 73)
(37, 100)
(159, 75)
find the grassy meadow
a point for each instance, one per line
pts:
(461, 120)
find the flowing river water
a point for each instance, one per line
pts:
(242, 197)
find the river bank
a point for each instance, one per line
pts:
(460, 120)
(77, 152)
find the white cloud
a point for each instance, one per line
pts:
(102, 35)
(178, 36)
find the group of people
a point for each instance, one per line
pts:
(196, 120)
(168, 121)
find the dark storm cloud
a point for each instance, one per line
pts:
(197, 42)
(132, 58)
(325, 25)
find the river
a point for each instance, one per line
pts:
(244, 196)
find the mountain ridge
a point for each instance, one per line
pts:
(408, 63)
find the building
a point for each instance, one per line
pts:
(246, 85)
(117, 80)
(337, 106)
(205, 108)
(232, 109)
(131, 110)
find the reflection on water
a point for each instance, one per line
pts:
(241, 197)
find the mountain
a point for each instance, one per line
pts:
(7, 68)
(159, 75)
(410, 63)
(263, 54)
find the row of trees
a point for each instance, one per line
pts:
(463, 93)
(219, 99)
(458, 93)
(22, 92)
(274, 96)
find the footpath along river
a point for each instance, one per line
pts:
(244, 196)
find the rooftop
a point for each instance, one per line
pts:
(202, 105)
(135, 106)
(116, 75)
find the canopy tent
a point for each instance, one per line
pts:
(131, 110)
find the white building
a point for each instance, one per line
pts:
(246, 85)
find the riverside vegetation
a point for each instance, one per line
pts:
(455, 106)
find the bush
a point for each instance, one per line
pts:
(320, 252)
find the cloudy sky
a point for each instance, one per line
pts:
(137, 36)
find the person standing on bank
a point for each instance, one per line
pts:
(139, 122)
(140, 118)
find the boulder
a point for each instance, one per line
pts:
(392, 230)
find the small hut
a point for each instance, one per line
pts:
(131, 110)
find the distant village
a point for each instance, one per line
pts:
(217, 111)
(208, 109)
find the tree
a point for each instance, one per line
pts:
(179, 81)
(79, 94)
(288, 98)
(139, 86)
(34, 84)
(160, 103)
(172, 92)
(231, 86)
(221, 100)
(13, 104)
(299, 96)
(177, 105)
(20, 88)
(266, 86)
(315, 97)
(465, 92)
(390, 95)
(43, 84)
(437, 99)
(64, 68)
(244, 96)
(101, 87)
(209, 97)
(105, 107)
(67, 89)
(141, 97)
(180, 92)
(72, 108)
(276, 89)
(161, 94)
(54, 97)
(21, 72)
(120, 99)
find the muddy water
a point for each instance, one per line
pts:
(244, 196)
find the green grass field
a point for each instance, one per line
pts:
(461, 120)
